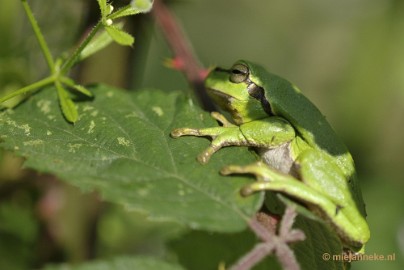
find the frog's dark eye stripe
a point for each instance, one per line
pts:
(219, 69)
(258, 93)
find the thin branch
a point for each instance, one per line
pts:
(287, 257)
(73, 58)
(29, 88)
(44, 47)
(257, 254)
(183, 53)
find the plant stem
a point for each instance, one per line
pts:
(73, 58)
(39, 36)
(273, 243)
(29, 88)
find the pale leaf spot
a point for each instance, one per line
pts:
(91, 127)
(44, 105)
(123, 141)
(158, 110)
(73, 147)
(33, 143)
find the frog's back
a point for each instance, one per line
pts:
(287, 101)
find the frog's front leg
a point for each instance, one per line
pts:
(267, 132)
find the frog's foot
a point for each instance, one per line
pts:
(264, 174)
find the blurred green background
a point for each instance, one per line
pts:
(347, 56)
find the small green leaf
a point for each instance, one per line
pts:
(125, 11)
(122, 148)
(82, 90)
(120, 36)
(68, 108)
(120, 263)
(70, 83)
(103, 8)
(99, 42)
(142, 5)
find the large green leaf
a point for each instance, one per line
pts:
(321, 244)
(121, 147)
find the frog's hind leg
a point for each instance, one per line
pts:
(270, 179)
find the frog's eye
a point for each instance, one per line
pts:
(239, 73)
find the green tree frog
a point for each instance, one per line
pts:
(301, 156)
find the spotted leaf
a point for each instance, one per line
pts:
(120, 147)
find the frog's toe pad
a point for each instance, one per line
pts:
(246, 191)
(176, 133)
(203, 158)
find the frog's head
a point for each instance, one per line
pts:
(233, 90)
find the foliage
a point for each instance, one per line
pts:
(120, 263)
(119, 147)
(59, 67)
